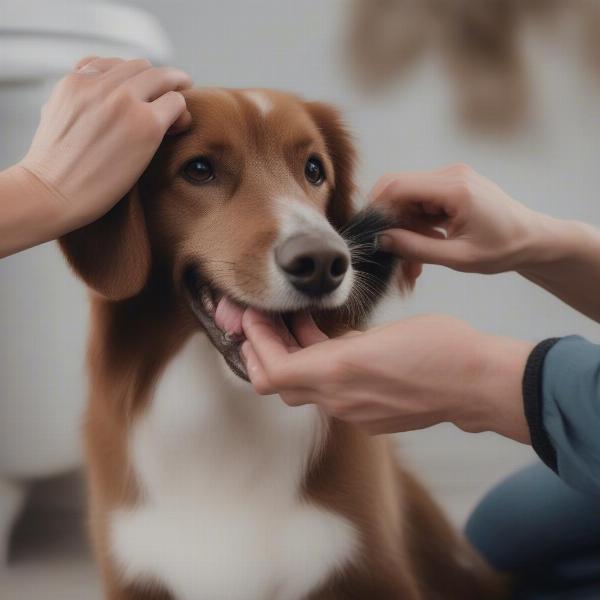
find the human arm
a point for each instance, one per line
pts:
(98, 131)
(427, 370)
(489, 232)
(407, 375)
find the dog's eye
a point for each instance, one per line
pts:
(314, 171)
(199, 170)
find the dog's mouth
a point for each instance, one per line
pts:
(221, 317)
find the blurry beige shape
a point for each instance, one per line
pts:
(477, 38)
(386, 37)
(590, 34)
(543, 10)
(480, 42)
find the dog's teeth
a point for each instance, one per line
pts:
(207, 300)
(233, 337)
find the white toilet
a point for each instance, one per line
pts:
(43, 309)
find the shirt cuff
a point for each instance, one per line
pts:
(534, 402)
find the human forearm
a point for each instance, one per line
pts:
(495, 397)
(489, 232)
(30, 212)
(564, 259)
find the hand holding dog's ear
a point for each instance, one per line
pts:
(486, 231)
(98, 132)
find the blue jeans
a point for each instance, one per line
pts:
(543, 532)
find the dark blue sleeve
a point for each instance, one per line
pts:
(561, 391)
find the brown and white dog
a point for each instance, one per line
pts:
(199, 489)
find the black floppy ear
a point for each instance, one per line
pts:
(342, 153)
(112, 254)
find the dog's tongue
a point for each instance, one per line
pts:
(228, 316)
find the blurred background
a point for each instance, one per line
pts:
(511, 87)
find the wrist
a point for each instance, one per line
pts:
(33, 212)
(551, 242)
(49, 202)
(496, 399)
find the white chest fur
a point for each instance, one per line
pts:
(220, 469)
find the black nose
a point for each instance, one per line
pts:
(313, 265)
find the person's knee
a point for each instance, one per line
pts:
(486, 532)
(501, 527)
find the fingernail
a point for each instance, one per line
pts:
(384, 242)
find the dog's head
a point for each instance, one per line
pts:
(250, 207)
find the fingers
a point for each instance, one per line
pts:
(150, 84)
(125, 70)
(381, 184)
(427, 199)
(170, 109)
(94, 65)
(82, 62)
(263, 385)
(146, 82)
(260, 381)
(411, 271)
(419, 248)
(305, 330)
(256, 372)
(284, 333)
(286, 366)
(398, 191)
(159, 86)
(182, 123)
(410, 245)
(264, 337)
(429, 231)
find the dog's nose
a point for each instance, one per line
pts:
(313, 265)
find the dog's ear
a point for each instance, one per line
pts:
(112, 255)
(342, 153)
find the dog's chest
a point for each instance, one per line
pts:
(220, 470)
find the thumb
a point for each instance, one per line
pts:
(306, 331)
(418, 247)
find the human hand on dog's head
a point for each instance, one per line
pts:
(98, 131)
(406, 375)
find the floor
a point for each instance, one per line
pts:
(49, 555)
(50, 558)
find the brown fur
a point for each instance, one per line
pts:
(134, 258)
